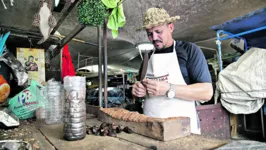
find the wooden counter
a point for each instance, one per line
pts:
(51, 137)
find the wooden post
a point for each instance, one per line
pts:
(100, 96)
(105, 62)
(124, 86)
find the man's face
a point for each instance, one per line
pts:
(161, 36)
(31, 59)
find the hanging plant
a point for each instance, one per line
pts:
(92, 12)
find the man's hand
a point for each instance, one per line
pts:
(139, 90)
(156, 88)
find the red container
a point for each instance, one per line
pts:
(214, 121)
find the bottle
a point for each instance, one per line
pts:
(40, 112)
(54, 102)
(75, 108)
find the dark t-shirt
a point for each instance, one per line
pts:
(192, 62)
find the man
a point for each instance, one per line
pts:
(177, 74)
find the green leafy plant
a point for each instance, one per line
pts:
(92, 12)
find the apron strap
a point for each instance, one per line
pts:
(144, 64)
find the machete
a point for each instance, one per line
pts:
(144, 66)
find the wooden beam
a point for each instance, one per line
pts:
(68, 38)
(65, 14)
(22, 33)
(72, 34)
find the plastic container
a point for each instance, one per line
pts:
(54, 104)
(40, 112)
(75, 108)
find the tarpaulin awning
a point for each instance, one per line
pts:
(247, 22)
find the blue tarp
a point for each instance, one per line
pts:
(247, 22)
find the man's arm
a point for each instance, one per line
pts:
(138, 90)
(199, 75)
(197, 91)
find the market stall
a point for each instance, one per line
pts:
(47, 108)
(240, 86)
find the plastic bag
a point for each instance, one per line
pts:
(24, 104)
(4, 89)
(16, 66)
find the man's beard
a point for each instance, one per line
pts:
(158, 49)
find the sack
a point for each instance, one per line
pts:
(16, 66)
(24, 104)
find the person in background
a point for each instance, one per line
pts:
(177, 74)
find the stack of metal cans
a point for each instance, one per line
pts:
(75, 108)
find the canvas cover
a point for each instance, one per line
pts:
(242, 84)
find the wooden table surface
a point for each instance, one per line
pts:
(51, 137)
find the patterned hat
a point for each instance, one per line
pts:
(156, 17)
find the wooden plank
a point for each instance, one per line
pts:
(54, 133)
(189, 142)
(234, 125)
(167, 130)
(41, 141)
(160, 129)
(29, 133)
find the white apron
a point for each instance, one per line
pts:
(165, 67)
